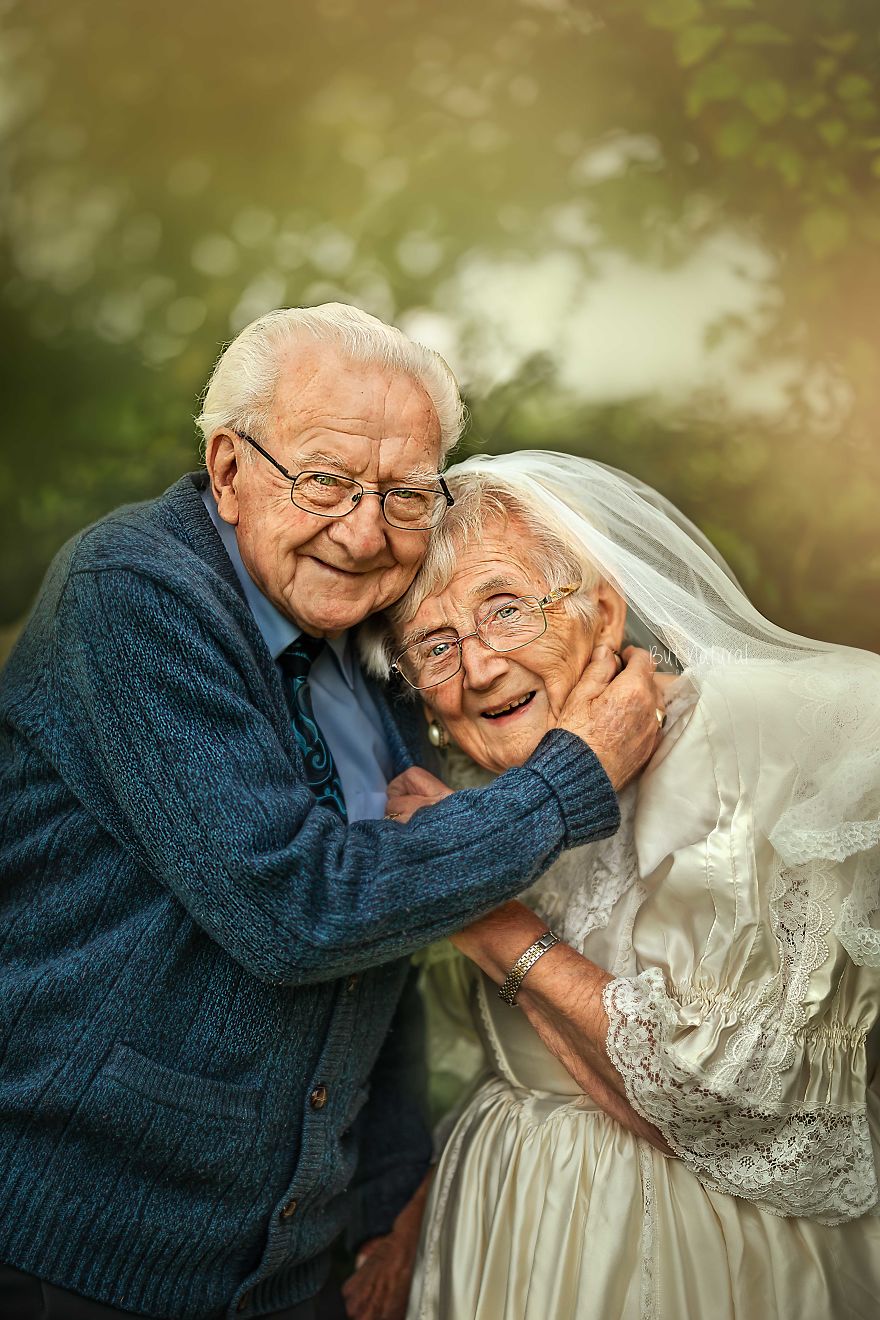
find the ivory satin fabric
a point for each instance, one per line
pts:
(545, 1209)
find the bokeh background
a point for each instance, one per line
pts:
(643, 230)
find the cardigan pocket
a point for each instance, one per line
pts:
(175, 1158)
(200, 1096)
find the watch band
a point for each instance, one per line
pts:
(509, 988)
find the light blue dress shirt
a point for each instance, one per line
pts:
(344, 708)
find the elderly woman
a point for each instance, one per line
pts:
(675, 1117)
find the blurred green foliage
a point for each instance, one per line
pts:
(172, 171)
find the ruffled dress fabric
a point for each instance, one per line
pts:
(740, 1027)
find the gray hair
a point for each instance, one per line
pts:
(482, 499)
(241, 389)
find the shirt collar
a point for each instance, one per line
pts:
(275, 628)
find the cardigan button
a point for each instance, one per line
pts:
(289, 1209)
(318, 1098)
(352, 983)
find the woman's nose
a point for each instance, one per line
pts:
(480, 664)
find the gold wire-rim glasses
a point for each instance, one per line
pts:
(552, 598)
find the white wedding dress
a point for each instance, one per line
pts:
(739, 1025)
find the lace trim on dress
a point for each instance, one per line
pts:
(789, 1160)
(649, 1307)
(763, 1047)
(835, 809)
(579, 892)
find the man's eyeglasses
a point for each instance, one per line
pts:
(411, 508)
(515, 623)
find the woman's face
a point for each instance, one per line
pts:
(498, 707)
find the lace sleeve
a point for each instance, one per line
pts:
(728, 1122)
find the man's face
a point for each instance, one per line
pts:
(356, 420)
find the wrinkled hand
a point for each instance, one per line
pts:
(414, 789)
(379, 1287)
(616, 714)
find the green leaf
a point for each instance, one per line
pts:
(762, 34)
(735, 137)
(695, 43)
(835, 183)
(790, 165)
(715, 81)
(825, 231)
(840, 43)
(862, 111)
(767, 100)
(833, 131)
(853, 87)
(672, 13)
(809, 104)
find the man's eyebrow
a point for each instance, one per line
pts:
(416, 476)
(316, 459)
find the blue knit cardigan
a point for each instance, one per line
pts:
(199, 965)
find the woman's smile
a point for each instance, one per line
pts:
(511, 709)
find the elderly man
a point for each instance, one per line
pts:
(206, 920)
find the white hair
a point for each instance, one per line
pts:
(482, 500)
(241, 389)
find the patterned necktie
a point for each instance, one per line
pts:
(323, 777)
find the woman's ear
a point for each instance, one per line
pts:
(611, 620)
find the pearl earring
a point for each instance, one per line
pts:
(437, 735)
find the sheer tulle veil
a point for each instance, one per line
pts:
(812, 701)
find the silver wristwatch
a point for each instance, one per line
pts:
(509, 989)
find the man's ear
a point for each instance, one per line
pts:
(221, 460)
(611, 617)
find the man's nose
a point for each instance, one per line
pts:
(363, 532)
(480, 664)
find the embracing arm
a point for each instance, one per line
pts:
(562, 998)
(181, 751)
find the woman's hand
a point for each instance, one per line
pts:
(414, 789)
(490, 941)
(379, 1287)
(562, 998)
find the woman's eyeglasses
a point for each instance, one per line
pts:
(437, 657)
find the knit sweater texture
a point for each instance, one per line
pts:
(200, 966)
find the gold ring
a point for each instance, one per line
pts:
(661, 716)
(618, 658)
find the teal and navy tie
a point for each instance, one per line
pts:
(296, 663)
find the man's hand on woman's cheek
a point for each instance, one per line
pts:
(618, 715)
